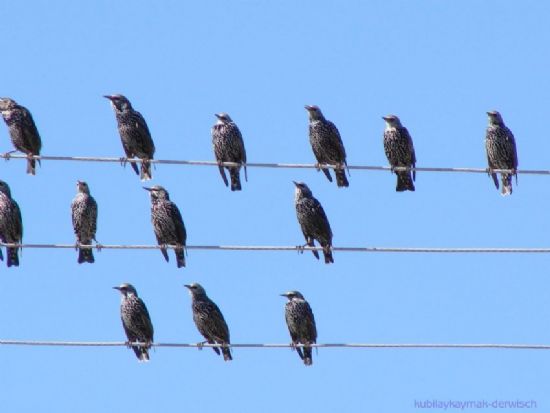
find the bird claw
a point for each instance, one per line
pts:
(318, 166)
(128, 344)
(200, 345)
(98, 246)
(292, 346)
(7, 155)
(300, 248)
(76, 246)
(123, 161)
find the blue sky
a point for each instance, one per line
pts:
(438, 65)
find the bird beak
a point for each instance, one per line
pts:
(385, 118)
(284, 295)
(295, 183)
(116, 288)
(187, 286)
(108, 97)
(147, 189)
(218, 115)
(308, 107)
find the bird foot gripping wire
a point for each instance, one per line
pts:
(7, 155)
(200, 345)
(292, 346)
(300, 248)
(98, 246)
(123, 161)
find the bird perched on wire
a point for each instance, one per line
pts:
(134, 134)
(84, 216)
(399, 149)
(135, 320)
(229, 147)
(167, 223)
(23, 132)
(209, 320)
(313, 221)
(301, 324)
(11, 224)
(501, 151)
(327, 145)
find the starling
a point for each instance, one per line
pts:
(229, 147)
(135, 320)
(209, 320)
(501, 151)
(167, 223)
(23, 132)
(301, 324)
(84, 214)
(313, 220)
(327, 145)
(399, 149)
(11, 224)
(134, 134)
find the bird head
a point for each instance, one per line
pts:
(314, 112)
(82, 187)
(7, 104)
(5, 188)
(223, 117)
(157, 192)
(195, 289)
(119, 102)
(495, 118)
(292, 294)
(392, 121)
(126, 289)
(302, 189)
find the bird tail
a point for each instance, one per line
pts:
(180, 256)
(308, 356)
(85, 255)
(404, 181)
(146, 173)
(341, 179)
(31, 166)
(327, 252)
(13, 258)
(495, 180)
(165, 254)
(142, 353)
(235, 179)
(327, 173)
(506, 184)
(310, 243)
(222, 173)
(226, 353)
(135, 167)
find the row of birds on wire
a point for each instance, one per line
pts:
(211, 324)
(228, 144)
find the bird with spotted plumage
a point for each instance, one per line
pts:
(167, 224)
(313, 221)
(501, 151)
(134, 134)
(11, 224)
(84, 217)
(23, 131)
(301, 324)
(209, 320)
(399, 149)
(228, 144)
(327, 145)
(135, 321)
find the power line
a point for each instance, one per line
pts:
(291, 248)
(278, 345)
(269, 165)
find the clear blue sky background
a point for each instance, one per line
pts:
(438, 65)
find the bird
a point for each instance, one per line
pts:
(301, 324)
(11, 224)
(209, 320)
(327, 145)
(84, 216)
(501, 151)
(134, 134)
(313, 221)
(135, 320)
(23, 132)
(167, 223)
(399, 149)
(228, 144)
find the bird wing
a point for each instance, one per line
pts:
(309, 321)
(412, 154)
(143, 139)
(511, 148)
(18, 225)
(179, 226)
(217, 327)
(31, 137)
(336, 141)
(321, 224)
(145, 320)
(93, 215)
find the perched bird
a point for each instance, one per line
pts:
(399, 149)
(167, 223)
(209, 320)
(327, 145)
(84, 215)
(135, 320)
(301, 324)
(229, 147)
(134, 134)
(23, 132)
(313, 221)
(11, 224)
(501, 151)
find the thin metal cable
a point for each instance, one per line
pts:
(269, 165)
(289, 248)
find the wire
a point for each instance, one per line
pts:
(268, 165)
(276, 345)
(287, 248)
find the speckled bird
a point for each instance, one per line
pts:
(84, 216)
(209, 320)
(327, 145)
(134, 134)
(167, 223)
(501, 151)
(23, 132)
(229, 147)
(313, 221)
(135, 320)
(399, 149)
(301, 324)
(11, 224)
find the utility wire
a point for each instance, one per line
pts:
(288, 248)
(276, 345)
(269, 165)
